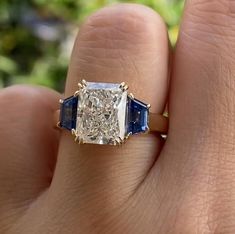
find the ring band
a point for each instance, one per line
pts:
(104, 113)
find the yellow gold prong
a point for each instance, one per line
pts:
(84, 83)
(131, 96)
(128, 135)
(116, 142)
(76, 138)
(123, 86)
(80, 141)
(80, 86)
(61, 101)
(73, 131)
(126, 87)
(166, 114)
(119, 141)
(76, 93)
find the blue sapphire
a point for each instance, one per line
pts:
(137, 116)
(68, 113)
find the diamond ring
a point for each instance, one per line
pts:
(104, 113)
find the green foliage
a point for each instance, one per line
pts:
(36, 36)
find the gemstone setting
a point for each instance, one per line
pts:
(101, 113)
(137, 117)
(68, 113)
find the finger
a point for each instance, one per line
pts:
(28, 148)
(202, 94)
(120, 43)
(199, 154)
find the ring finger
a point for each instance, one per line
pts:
(120, 43)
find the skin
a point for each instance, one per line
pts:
(49, 184)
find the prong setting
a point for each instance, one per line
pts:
(76, 138)
(76, 93)
(128, 135)
(131, 96)
(82, 84)
(123, 86)
(119, 141)
(61, 101)
(73, 131)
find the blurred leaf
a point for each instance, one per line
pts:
(173, 34)
(7, 65)
(36, 35)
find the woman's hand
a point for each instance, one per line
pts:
(49, 184)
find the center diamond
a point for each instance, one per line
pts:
(101, 113)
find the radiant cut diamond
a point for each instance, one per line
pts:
(101, 113)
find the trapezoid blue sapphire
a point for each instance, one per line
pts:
(137, 116)
(68, 113)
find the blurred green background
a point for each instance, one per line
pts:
(36, 36)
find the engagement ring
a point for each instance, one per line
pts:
(104, 113)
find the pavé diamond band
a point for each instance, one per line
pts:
(104, 113)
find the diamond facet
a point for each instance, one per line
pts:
(68, 113)
(138, 116)
(101, 113)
